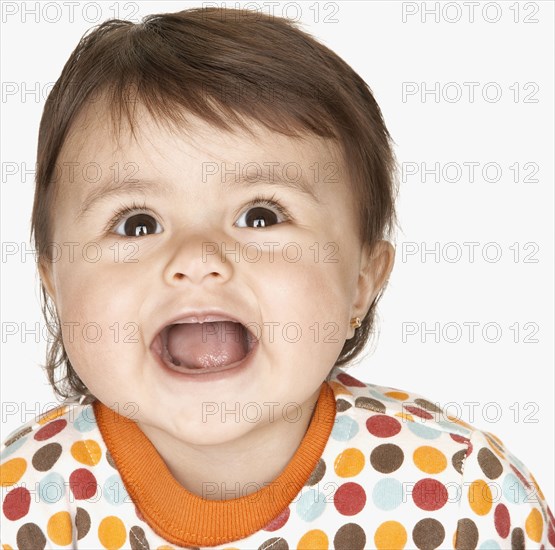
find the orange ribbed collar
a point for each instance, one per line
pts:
(184, 518)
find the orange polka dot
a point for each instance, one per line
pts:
(111, 533)
(165, 547)
(400, 395)
(51, 415)
(534, 525)
(314, 540)
(460, 422)
(390, 535)
(480, 497)
(6, 547)
(87, 452)
(405, 416)
(429, 459)
(11, 471)
(349, 463)
(339, 389)
(59, 528)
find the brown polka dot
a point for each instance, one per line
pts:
(276, 543)
(317, 474)
(386, 458)
(350, 537)
(467, 535)
(82, 523)
(370, 404)
(458, 459)
(517, 539)
(18, 435)
(342, 405)
(428, 405)
(110, 459)
(30, 537)
(137, 539)
(489, 463)
(428, 534)
(46, 457)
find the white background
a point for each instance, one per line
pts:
(510, 382)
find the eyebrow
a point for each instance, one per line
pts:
(158, 187)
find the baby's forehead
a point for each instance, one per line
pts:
(98, 138)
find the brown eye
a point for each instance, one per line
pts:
(260, 217)
(138, 225)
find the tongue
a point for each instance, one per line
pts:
(207, 345)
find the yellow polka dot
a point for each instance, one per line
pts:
(51, 415)
(314, 540)
(165, 547)
(59, 528)
(11, 471)
(87, 452)
(6, 547)
(390, 535)
(534, 525)
(111, 533)
(429, 459)
(349, 463)
(405, 416)
(479, 497)
(400, 395)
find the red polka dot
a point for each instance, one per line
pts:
(381, 425)
(349, 499)
(51, 429)
(83, 484)
(429, 494)
(279, 521)
(502, 520)
(551, 535)
(16, 504)
(348, 380)
(525, 482)
(417, 411)
(461, 439)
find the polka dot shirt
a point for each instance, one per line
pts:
(378, 468)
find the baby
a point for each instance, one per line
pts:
(201, 350)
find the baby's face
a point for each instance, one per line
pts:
(292, 277)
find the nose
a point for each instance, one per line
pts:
(196, 258)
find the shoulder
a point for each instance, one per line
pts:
(498, 501)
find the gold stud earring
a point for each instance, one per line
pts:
(355, 322)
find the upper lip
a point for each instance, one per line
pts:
(201, 316)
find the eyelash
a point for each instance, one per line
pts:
(258, 200)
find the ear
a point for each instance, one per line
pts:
(46, 275)
(375, 267)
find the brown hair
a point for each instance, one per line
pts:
(225, 66)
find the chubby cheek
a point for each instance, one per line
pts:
(99, 316)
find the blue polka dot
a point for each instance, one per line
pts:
(114, 491)
(380, 396)
(513, 490)
(13, 447)
(489, 545)
(311, 505)
(423, 431)
(387, 494)
(344, 428)
(86, 421)
(52, 488)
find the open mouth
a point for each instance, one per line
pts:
(198, 348)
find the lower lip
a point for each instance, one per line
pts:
(209, 375)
